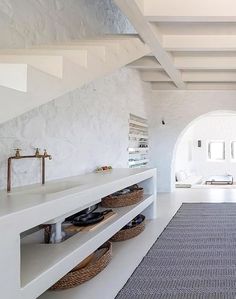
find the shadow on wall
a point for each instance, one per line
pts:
(192, 157)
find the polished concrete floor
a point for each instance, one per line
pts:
(169, 202)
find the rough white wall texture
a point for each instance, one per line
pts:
(87, 127)
(178, 109)
(26, 22)
(83, 129)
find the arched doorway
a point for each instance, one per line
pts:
(196, 159)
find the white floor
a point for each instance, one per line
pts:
(108, 283)
(204, 186)
(169, 203)
(197, 195)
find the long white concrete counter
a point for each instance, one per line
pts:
(35, 267)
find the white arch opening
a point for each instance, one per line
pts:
(195, 128)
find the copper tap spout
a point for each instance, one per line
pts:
(17, 155)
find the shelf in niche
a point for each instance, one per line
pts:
(138, 137)
(138, 162)
(137, 123)
(138, 149)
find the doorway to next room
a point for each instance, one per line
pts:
(206, 153)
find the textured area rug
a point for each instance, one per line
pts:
(194, 257)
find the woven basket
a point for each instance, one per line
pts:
(78, 276)
(84, 263)
(129, 233)
(128, 199)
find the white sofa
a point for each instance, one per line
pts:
(187, 180)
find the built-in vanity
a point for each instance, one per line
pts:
(29, 269)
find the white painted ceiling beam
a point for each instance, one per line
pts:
(151, 37)
(140, 4)
(157, 86)
(195, 49)
(191, 76)
(199, 42)
(211, 86)
(190, 10)
(209, 76)
(146, 62)
(205, 62)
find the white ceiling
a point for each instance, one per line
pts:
(193, 43)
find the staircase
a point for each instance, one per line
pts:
(32, 77)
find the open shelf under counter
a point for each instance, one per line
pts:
(44, 264)
(33, 268)
(126, 256)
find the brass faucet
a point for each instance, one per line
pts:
(17, 155)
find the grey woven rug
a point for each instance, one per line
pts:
(195, 257)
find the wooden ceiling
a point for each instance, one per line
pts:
(193, 43)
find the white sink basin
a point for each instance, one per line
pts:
(58, 187)
(48, 188)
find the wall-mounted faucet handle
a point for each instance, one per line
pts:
(45, 153)
(18, 150)
(37, 153)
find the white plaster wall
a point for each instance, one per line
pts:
(83, 129)
(178, 108)
(26, 22)
(184, 153)
(214, 127)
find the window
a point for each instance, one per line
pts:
(233, 150)
(216, 150)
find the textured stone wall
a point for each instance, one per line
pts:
(26, 22)
(83, 129)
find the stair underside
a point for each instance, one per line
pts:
(32, 77)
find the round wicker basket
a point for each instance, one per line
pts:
(84, 263)
(129, 233)
(128, 199)
(78, 276)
